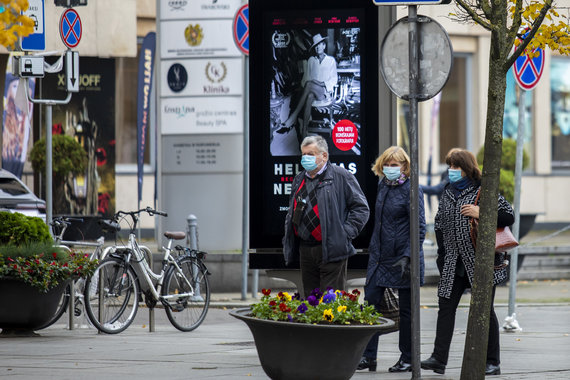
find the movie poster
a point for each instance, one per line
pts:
(319, 76)
(90, 119)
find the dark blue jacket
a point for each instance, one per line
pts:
(391, 235)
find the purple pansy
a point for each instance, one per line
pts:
(313, 301)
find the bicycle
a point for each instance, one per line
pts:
(59, 226)
(112, 292)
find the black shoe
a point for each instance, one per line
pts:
(491, 369)
(433, 364)
(369, 363)
(401, 366)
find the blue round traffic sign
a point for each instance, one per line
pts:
(241, 29)
(70, 28)
(527, 70)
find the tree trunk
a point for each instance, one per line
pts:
(475, 353)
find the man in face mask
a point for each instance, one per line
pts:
(327, 210)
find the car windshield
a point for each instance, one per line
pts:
(12, 187)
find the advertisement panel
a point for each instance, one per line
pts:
(90, 119)
(203, 77)
(185, 9)
(201, 115)
(197, 38)
(285, 40)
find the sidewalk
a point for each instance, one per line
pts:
(223, 346)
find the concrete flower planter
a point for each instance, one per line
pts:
(305, 351)
(25, 308)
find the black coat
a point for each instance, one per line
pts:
(454, 240)
(391, 235)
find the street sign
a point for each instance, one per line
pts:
(241, 29)
(527, 71)
(37, 40)
(70, 28)
(72, 71)
(435, 60)
(410, 2)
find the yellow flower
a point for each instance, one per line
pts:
(341, 309)
(328, 315)
(287, 296)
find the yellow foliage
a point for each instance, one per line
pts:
(13, 24)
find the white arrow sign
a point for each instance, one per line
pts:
(72, 71)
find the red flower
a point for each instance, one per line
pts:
(54, 255)
(356, 292)
(266, 292)
(283, 307)
(272, 303)
(10, 259)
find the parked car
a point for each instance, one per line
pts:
(15, 196)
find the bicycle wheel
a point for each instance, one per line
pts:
(118, 287)
(187, 313)
(61, 308)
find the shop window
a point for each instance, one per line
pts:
(560, 112)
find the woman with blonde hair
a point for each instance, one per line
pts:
(389, 251)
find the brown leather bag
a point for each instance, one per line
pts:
(504, 240)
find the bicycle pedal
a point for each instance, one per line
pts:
(177, 307)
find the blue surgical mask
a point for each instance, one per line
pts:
(391, 172)
(309, 162)
(454, 175)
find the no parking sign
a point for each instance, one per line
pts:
(527, 70)
(241, 29)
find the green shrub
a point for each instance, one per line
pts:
(19, 229)
(508, 157)
(508, 161)
(68, 156)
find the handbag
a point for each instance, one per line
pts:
(390, 308)
(504, 239)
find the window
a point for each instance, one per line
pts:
(560, 112)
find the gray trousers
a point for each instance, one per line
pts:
(316, 274)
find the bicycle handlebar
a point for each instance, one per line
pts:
(148, 210)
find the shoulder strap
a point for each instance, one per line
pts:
(477, 199)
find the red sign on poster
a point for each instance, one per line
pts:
(345, 135)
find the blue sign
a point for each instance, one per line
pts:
(527, 70)
(241, 29)
(70, 28)
(37, 40)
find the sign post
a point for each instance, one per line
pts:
(527, 72)
(418, 88)
(241, 37)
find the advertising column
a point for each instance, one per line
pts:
(201, 119)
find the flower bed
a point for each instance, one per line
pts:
(329, 307)
(42, 265)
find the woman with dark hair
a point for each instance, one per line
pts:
(389, 251)
(456, 256)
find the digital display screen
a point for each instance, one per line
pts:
(312, 72)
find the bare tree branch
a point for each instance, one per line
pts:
(479, 19)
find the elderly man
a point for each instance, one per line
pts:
(327, 209)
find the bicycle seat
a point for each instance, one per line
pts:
(175, 235)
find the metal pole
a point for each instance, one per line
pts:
(511, 323)
(414, 67)
(245, 201)
(49, 179)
